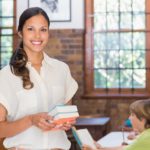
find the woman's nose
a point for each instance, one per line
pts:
(37, 34)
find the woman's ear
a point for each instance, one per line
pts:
(19, 34)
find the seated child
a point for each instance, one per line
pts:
(140, 119)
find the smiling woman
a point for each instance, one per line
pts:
(27, 89)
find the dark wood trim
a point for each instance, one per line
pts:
(88, 45)
(115, 96)
(89, 90)
(15, 25)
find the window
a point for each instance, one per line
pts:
(117, 48)
(7, 22)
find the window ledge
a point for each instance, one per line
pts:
(116, 96)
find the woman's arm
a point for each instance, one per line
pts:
(8, 129)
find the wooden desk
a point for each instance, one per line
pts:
(98, 127)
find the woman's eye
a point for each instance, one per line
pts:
(43, 30)
(30, 29)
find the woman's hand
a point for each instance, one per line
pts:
(67, 125)
(42, 121)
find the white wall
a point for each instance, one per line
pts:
(77, 12)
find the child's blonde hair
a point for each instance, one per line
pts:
(141, 109)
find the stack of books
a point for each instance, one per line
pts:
(64, 113)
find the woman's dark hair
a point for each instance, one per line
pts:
(141, 109)
(19, 57)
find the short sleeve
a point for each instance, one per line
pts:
(4, 102)
(71, 86)
(138, 143)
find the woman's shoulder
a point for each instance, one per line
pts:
(5, 70)
(7, 75)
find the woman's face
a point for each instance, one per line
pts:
(137, 123)
(35, 34)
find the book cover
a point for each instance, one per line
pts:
(82, 136)
(62, 109)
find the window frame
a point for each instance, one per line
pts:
(13, 29)
(89, 91)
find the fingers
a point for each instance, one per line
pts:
(45, 125)
(46, 122)
(43, 121)
(65, 126)
(97, 145)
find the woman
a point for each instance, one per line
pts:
(30, 85)
(140, 119)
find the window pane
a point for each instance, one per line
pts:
(138, 5)
(6, 22)
(99, 6)
(6, 49)
(0, 9)
(100, 21)
(139, 59)
(113, 41)
(139, 40)
(100, 78)
(99, 41)
(126, 78)
(125, 59)
(5, 56)
(112, 5)
(111, 62)
(139, 21)
(5, 10)
(125, 5)
(100, 59)
(6, 40)
(125, 21)
(112, 78)
(139, 78)
(7, 31)
(112, 21)
(126, 41)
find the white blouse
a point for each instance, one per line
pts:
(54, 85)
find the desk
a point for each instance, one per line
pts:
(98, 127)
(114, 139)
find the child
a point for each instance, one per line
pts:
(140, 119)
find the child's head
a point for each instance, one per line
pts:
(141, 111)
